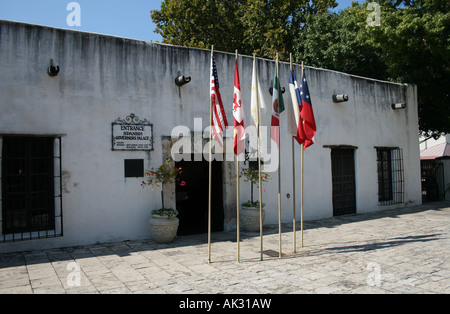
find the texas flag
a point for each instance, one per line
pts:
(295, 122)
(238, 113)
(307, 114)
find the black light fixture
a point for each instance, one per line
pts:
(182, 80)
(340, 98)
(398, 106)
(52, 70)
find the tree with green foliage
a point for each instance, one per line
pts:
(415, 43)
(411, 44)
(333, 41)
(264, 27)
(199, 23)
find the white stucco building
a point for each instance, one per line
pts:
(65, 181)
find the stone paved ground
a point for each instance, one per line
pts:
(394, 251)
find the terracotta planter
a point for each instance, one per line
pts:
(249, 217)
(163, 230)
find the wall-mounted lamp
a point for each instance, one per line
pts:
(398, 106)
(271, 90)
(52, 70)
(340, 98)
(182, 80)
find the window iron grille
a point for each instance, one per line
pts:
(31, 188)
(391, 177)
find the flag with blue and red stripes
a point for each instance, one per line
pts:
(307, 113)
(295, 122)
(219, 119)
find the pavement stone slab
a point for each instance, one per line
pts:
(397, 251)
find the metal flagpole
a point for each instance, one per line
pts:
(238, 199)
(237, 210)
(259, 162)
(293, 183)
(210, 169)
(293, 196)
(279, 168)
(301, 207)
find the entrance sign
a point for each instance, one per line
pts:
(132, 134)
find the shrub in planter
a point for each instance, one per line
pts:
(164, 223)
(250, 210)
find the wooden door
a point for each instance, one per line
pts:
(343, 176)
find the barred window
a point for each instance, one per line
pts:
(390, 175)
(30, 193)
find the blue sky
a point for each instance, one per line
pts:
(122, 18)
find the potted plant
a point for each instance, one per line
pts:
(250, 210)
(164, 222)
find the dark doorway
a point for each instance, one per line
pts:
(432, 180)
(343, 173)
(192, 198)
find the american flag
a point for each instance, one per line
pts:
(219, 119)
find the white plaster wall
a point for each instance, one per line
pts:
(103, 78)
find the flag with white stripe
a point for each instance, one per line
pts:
(219, 119)
(295, 122)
